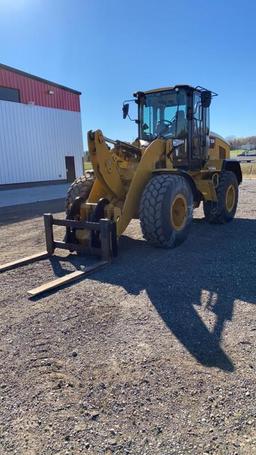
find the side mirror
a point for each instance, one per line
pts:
(125, 110)
(206, 98)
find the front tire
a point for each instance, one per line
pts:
(166, 210)
(223, 210)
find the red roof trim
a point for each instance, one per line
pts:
(36, 78)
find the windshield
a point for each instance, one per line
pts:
(163, 114)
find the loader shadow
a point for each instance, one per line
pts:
(212, 269)
(207, 273)
(16, 213)
(63, 265)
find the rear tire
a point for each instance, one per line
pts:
(224, 209)
(166, 210)
(81, 187)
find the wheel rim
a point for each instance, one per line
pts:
(179, 212)
(230, 198)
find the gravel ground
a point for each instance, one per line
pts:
(154, 354)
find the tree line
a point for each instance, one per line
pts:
(238, 142)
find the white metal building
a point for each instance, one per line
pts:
(40, 130)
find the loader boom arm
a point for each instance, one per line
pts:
(109, 183)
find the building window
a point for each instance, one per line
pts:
(9, 94)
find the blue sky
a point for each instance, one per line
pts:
(108, 49)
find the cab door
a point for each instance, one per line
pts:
(200, 132)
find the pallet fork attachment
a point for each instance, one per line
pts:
(106, 250)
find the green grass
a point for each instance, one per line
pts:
(87, 165)
(234, 153)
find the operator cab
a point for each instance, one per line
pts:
(180, 113)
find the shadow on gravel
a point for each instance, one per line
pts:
(16, 213)
(212, 269)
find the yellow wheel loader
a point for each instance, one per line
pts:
(174, 164)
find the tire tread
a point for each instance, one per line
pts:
(150, 213)
(80, 187)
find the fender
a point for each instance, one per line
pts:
(233, 166)
(196, 194)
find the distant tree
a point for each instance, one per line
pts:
(238, 142)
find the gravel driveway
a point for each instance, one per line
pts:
(152, 355)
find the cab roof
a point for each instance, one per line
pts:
(163, 89)
(178, 86)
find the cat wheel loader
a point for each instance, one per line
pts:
(175, 164)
